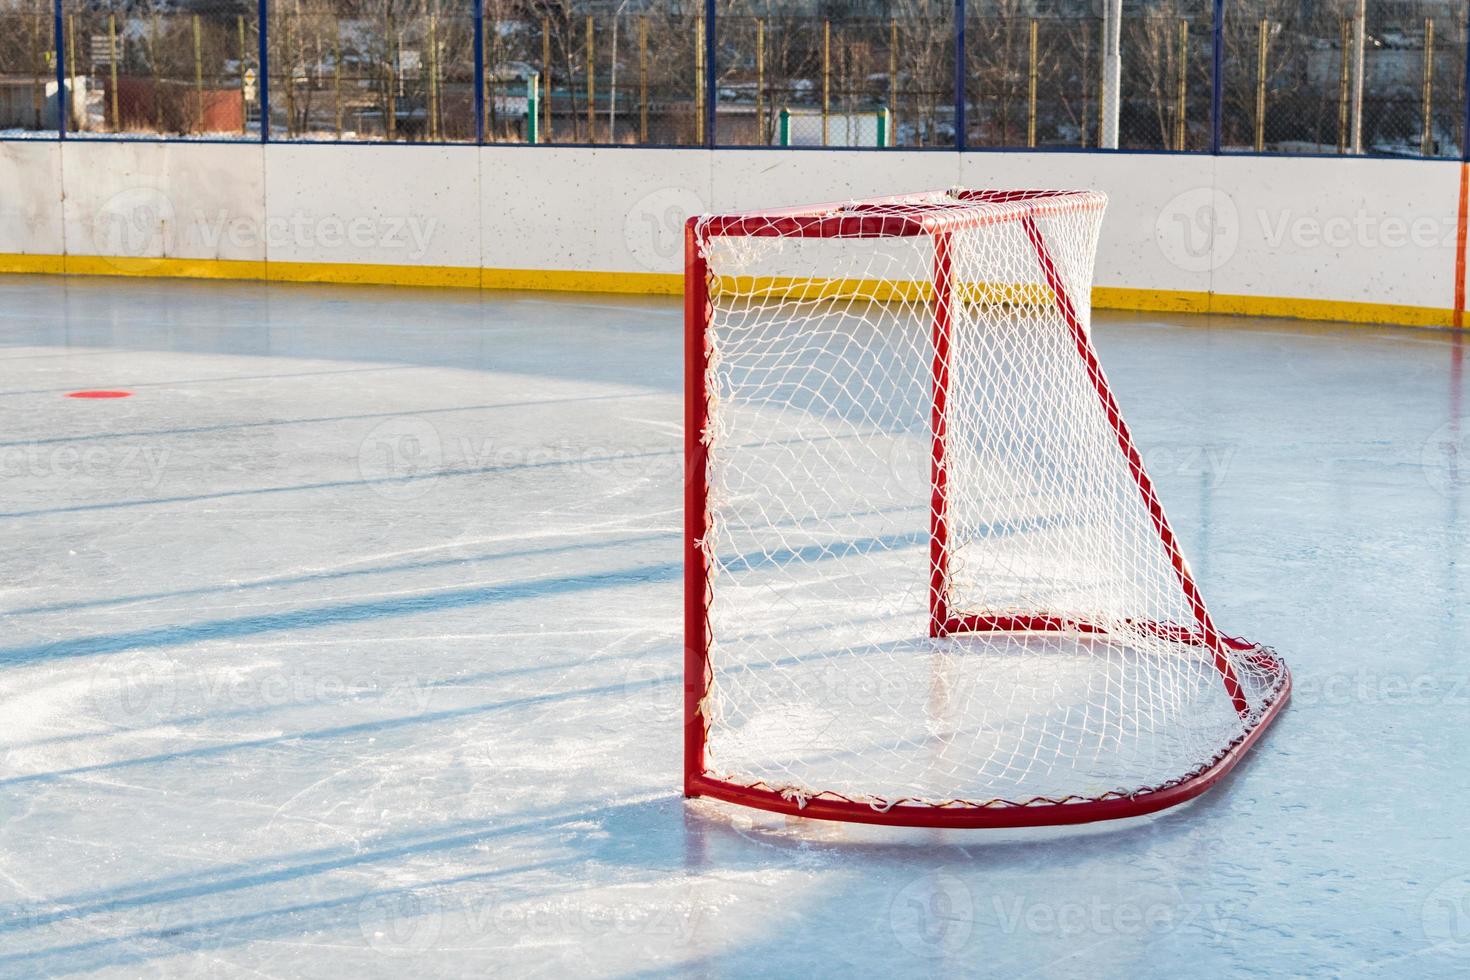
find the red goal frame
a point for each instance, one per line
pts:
(937, 216)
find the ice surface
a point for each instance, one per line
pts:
(349, 646)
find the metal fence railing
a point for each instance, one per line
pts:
(1379, 77)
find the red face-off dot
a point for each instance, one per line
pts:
(99, 394)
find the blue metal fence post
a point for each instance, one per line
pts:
(961, 138)
(63, 97)
(1465, 132)
(263, 83)
(479, 71)
(710, 95)
(1217, 85)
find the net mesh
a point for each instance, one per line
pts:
(1069, 662)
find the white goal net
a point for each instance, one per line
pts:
(932, 574)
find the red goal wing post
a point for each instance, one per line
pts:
(927, 577)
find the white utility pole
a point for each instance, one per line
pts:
(612, 105)
(1360, 43)
(1112, 71)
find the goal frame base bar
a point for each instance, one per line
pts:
(965, 815)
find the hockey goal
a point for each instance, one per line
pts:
(927, 578)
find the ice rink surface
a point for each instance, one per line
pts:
(348, 645)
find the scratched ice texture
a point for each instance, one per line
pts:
(349, 645)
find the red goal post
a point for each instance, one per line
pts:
(1016, 265)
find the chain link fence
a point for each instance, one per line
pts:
(571, 73)
(1381, 77)
(835, 79)
(151, 67)
(28, 94)
(376, 71)
(1319, 78)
